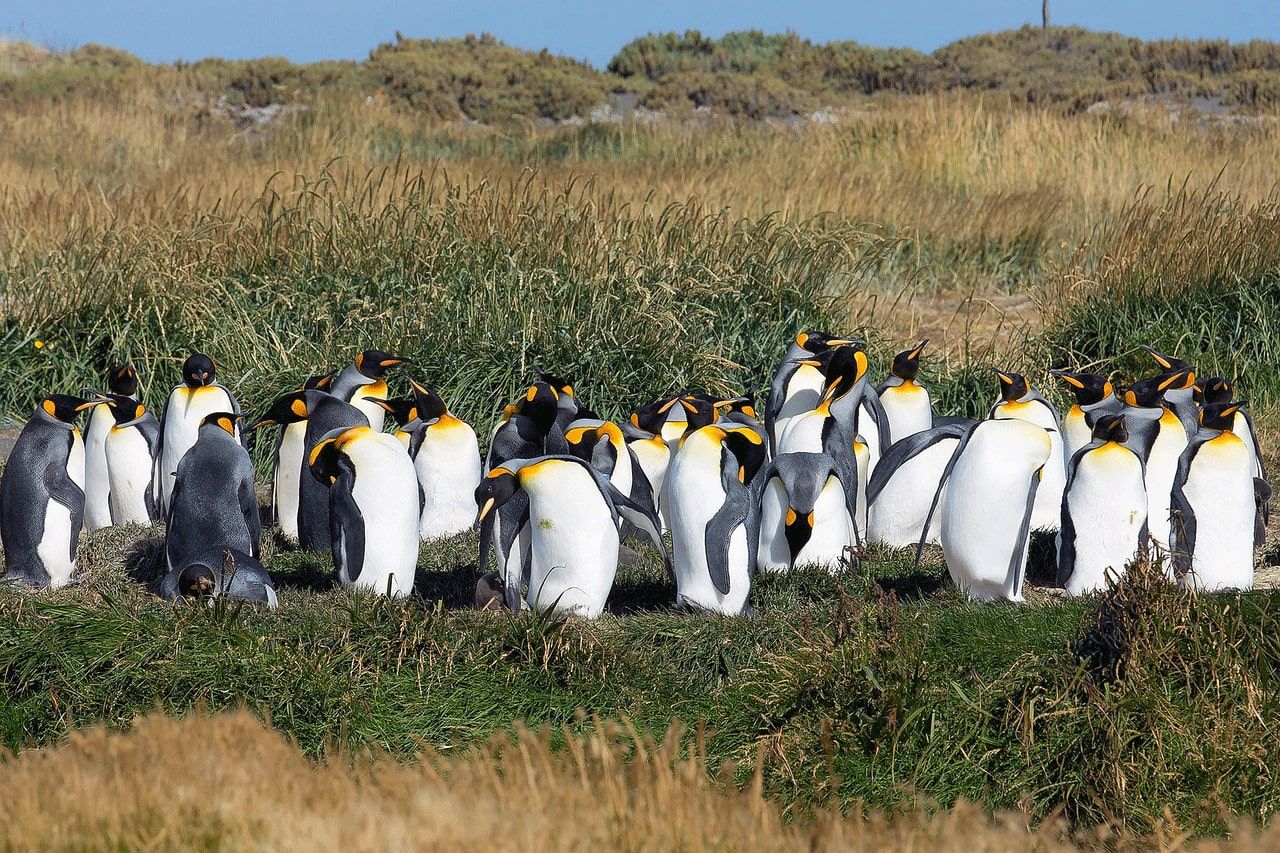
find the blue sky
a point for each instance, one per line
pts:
(304, 30)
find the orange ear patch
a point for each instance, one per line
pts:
(299, 408)
(227, 424)
(48, 406)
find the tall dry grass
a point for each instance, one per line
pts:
(229, 782)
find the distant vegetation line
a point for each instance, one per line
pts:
(747, 74)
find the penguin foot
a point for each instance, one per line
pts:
(750, 613)
(23, 580)
(490, 592)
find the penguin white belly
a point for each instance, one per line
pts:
(386, 491)
(832, 529)
(1076, 432)
(574, 541)
(801, 433)
(363, 399)
(97, 481)
(186, 408)
(1108, 506)
(773, 555)
(869, 432)
(286, 484)
(803, 393)
(1162, 467)
(694, 495)
(448, 471)
(1219, 489)
(54, 549)
(862, 453)
(986, 503)
(908, 408)
(129, 471)
(896, 518)
(654, 456)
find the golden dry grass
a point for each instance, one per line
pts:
(229, 782)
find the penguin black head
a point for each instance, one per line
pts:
(198, 370)
(287, 409)
(319, 382)
(222, 420)
(1111, 428)
(844, 366)
(1088, 388)
(798, 529)
(816, 342)
(374, 363)
(430, 405)
(1149, 393)
(747, 448)
(1013, 386)
(744, 404)
(651, 416)
(197, 581)
(404, 409)
(327, 460)
(1215, 390)
(1168, 363)
(123, 380)
(65, 408)
(494, 490)
(124, 409)
(562, 385)
(906, 364)
(1220, 415)
(539, 405)
(699, 411)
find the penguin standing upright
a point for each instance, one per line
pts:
(806, 513)
(131, 447)
(1219, 390)
(361, 383)
(42, 496)
(1104, 510)
(572, 514)
(902, 487)
(122, 381)
(1214, 514)
(992, 482)
(1179, 396)
(326, 414)
(1158, 437)
(906, 403)
(373, 508)
(290, 412)
(1094, 396)
(446, 456)
(187, 406)
(213, 506)
(798, 382)
(714, 517)
(1018, 400)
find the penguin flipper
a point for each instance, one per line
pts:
(937, 495)
(904, 450)
(880, 416)
(1017, 560)
(63, 490)
(416, 437)
(641, 488)
(1257, 448)
(346, 524)
(645, 519)
(1182, 516)
(1067, 540)
(149, 429)
(733, 513)
(249, 509)
(513, 517)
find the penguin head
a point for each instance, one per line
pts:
(225, 421)
(699, 411)
(1013, 386)
(404, 410)
(197, 580)
(906, 364)
(198, 370)
(744, 404)
(815, 342)
(651, 416)
(844, 367)
(288, 409)
(1146, 393)
(1111, 428)
(747, 449)
(327, 459)
(65, 408)
(494, 490)
(319, 382)
(1220, 415)
(1088, 388)
(563, 386)
(374, 363)
(1168, 363)
(798, 529)
(123, 380)
(1215, 390)
(125, 410)
(539, 404)
(430, 405)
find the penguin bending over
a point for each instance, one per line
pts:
(373, 508)
(213, 507)
(122, 381)
(806, 513)
(992, 482)
(1094, 396)
(1214, 514)
(529, 428)
(713, 509)
(326, 414)
(906, 403)
(233, 575)
(573, 515)
(797, 383)
(446, 457)
(131, 448)
(903, 485)
(187, 406)
(1020, 401)
(42, 496)
(1104, 510)
(1158, 437)
(362, 384)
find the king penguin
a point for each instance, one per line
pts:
(42, 496)
(188, 404)
(131, 447)
(291, 412)
(1179, 396)
(903, 485)
(1094, 396)
(361, 383)
(122, 381)
(603, 445)
(235, 576)
(991, 484)
(1018, 400)
(1104, 510)
(806, 513)
(1219, 390)
(714, 515)
(1158, 437)
(573, 515)
(906, 403)
(529, 428)
(213, 507)
(446, 457)
(798, 382)
(1214, 513)
(373, 508)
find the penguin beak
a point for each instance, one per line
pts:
(915, 353)
(484, 511)
(393, 360)
(89, 404)
(263, 422)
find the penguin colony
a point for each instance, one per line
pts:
(1170, 466)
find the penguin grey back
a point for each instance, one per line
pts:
(327, 414)
(214, 507)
